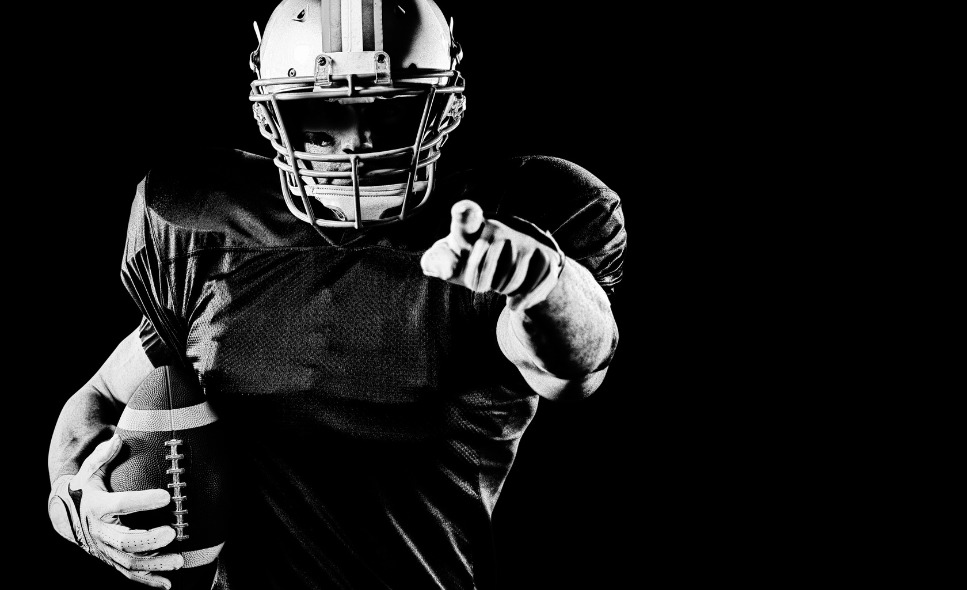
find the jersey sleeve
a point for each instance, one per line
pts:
(154, 347)
(144, 273)
(185, 207)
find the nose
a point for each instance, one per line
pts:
(357, 136)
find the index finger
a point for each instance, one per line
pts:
(465, 224)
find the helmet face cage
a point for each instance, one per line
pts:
(365, 71)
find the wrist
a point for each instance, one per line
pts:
(59, 507)
(549, 249)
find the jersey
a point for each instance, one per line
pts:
(372, 417)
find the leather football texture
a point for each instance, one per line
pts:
(173, 441)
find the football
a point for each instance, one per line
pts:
(172, 440)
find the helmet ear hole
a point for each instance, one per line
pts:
(266, 125)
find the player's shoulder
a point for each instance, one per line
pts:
(201, 189)
(553, 170)
(546, 190)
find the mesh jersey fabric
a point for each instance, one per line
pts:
(371, 416)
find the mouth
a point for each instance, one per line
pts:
(385, 171)
(324, 167)
(364, 180)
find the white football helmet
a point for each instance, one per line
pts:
(347, 50)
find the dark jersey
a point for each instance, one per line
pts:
(372, 416)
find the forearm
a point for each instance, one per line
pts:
(89, 415)
(562, 345)
(86, 419)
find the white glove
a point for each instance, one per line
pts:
(83, 511)
(488, 255)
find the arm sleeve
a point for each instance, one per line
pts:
(582, 214)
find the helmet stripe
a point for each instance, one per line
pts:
(377, 25)
(366, 22)
(331, 28)
(352, 26)
(325, 23)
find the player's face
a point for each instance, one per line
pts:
(360, 125)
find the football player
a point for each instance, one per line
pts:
(381, 332)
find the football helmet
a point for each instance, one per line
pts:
(347, 51)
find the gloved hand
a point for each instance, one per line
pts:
(488, 255)
(83, 511)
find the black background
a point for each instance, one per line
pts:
(604, 493)
(727, 444)
(744, 434)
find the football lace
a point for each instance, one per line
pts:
(175, 472)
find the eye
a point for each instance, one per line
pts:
(320, 138)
